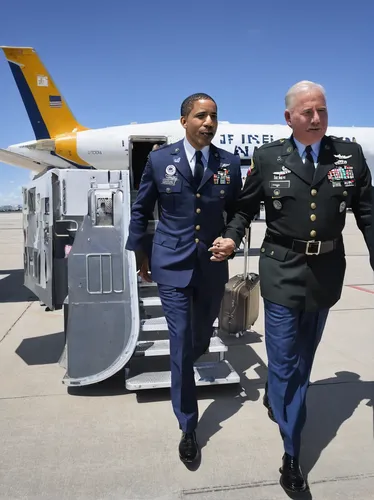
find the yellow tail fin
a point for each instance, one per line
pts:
(47, 110)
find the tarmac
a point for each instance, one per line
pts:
(102, 442)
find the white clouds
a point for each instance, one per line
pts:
(13, 197)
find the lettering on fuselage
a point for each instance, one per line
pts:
(95, 152)
(243, 144)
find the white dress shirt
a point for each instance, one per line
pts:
(190, 154)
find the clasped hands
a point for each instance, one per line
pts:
(222, 249)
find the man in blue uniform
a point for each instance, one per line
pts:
(195, 183)
(307, 182)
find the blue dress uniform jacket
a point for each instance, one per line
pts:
(190, 219)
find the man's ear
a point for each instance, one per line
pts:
(183, 121)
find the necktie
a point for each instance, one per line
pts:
(309, 162)
(199, 168)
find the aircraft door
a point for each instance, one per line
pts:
(37, 231)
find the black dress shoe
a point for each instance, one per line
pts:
(188, 447)
(292, 479)
(266, 403)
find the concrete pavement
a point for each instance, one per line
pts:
(101, 442)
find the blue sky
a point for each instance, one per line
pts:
(119, 61)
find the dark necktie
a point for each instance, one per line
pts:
(199, 168)
(309, 162)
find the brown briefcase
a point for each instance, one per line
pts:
(240, 303)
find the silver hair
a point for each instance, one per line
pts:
(303, 86)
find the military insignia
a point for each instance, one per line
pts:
(279, 175)
(177, 160)
(289, 149)
(177, 150)
(216, 154)
(277, 192)
(170, 170)
(336, 184)
(342, 206)
(341, 173)
(286, 170)
(282, 140)
(279, 159)
(327, 147)
(343, 157)
(277, 204)
(222, 176)
(169, 181)
(349, 183)
(340, 162)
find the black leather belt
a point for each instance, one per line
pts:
(310, 247)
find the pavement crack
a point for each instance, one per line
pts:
(259, 484)
(9, 398)
(14, 324)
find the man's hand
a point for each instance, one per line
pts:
(142, 265)
(144, 271)
(222, 248)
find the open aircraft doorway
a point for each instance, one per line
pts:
(139, 149)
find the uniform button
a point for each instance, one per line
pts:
(313, 233)
(168, 190)
(198, 195)
(197, 228)
(345, 193)
(313, 206)
(313, 192)
(262, 249)
(197, 240)
(313, 217)
(198, 210)
(222, 191)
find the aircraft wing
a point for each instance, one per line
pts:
(17, 160)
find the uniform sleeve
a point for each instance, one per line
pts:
(236, 189)
(142, 209)
(247, 204)
(362, 204)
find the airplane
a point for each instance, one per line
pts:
(61, 142)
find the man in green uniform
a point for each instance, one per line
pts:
(307, 182)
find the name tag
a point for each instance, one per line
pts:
(279, 184)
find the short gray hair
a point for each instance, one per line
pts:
(303, 86)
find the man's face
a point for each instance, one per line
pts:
(201, 123)
(308, 116)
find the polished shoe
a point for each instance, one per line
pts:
(266, 403)
(292, 479)
(188, 447)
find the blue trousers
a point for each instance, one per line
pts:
(190, 313)
(292, 337)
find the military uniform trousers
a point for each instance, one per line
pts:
(292, 337)
(190, 313)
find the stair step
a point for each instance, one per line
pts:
(212, 373)
(154, 325)
(161, 347)
(150, 301)
(159, 324)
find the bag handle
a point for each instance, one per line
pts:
(246, 249)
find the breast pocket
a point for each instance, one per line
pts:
(170, 194)
(279, 194)
(342, 197)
